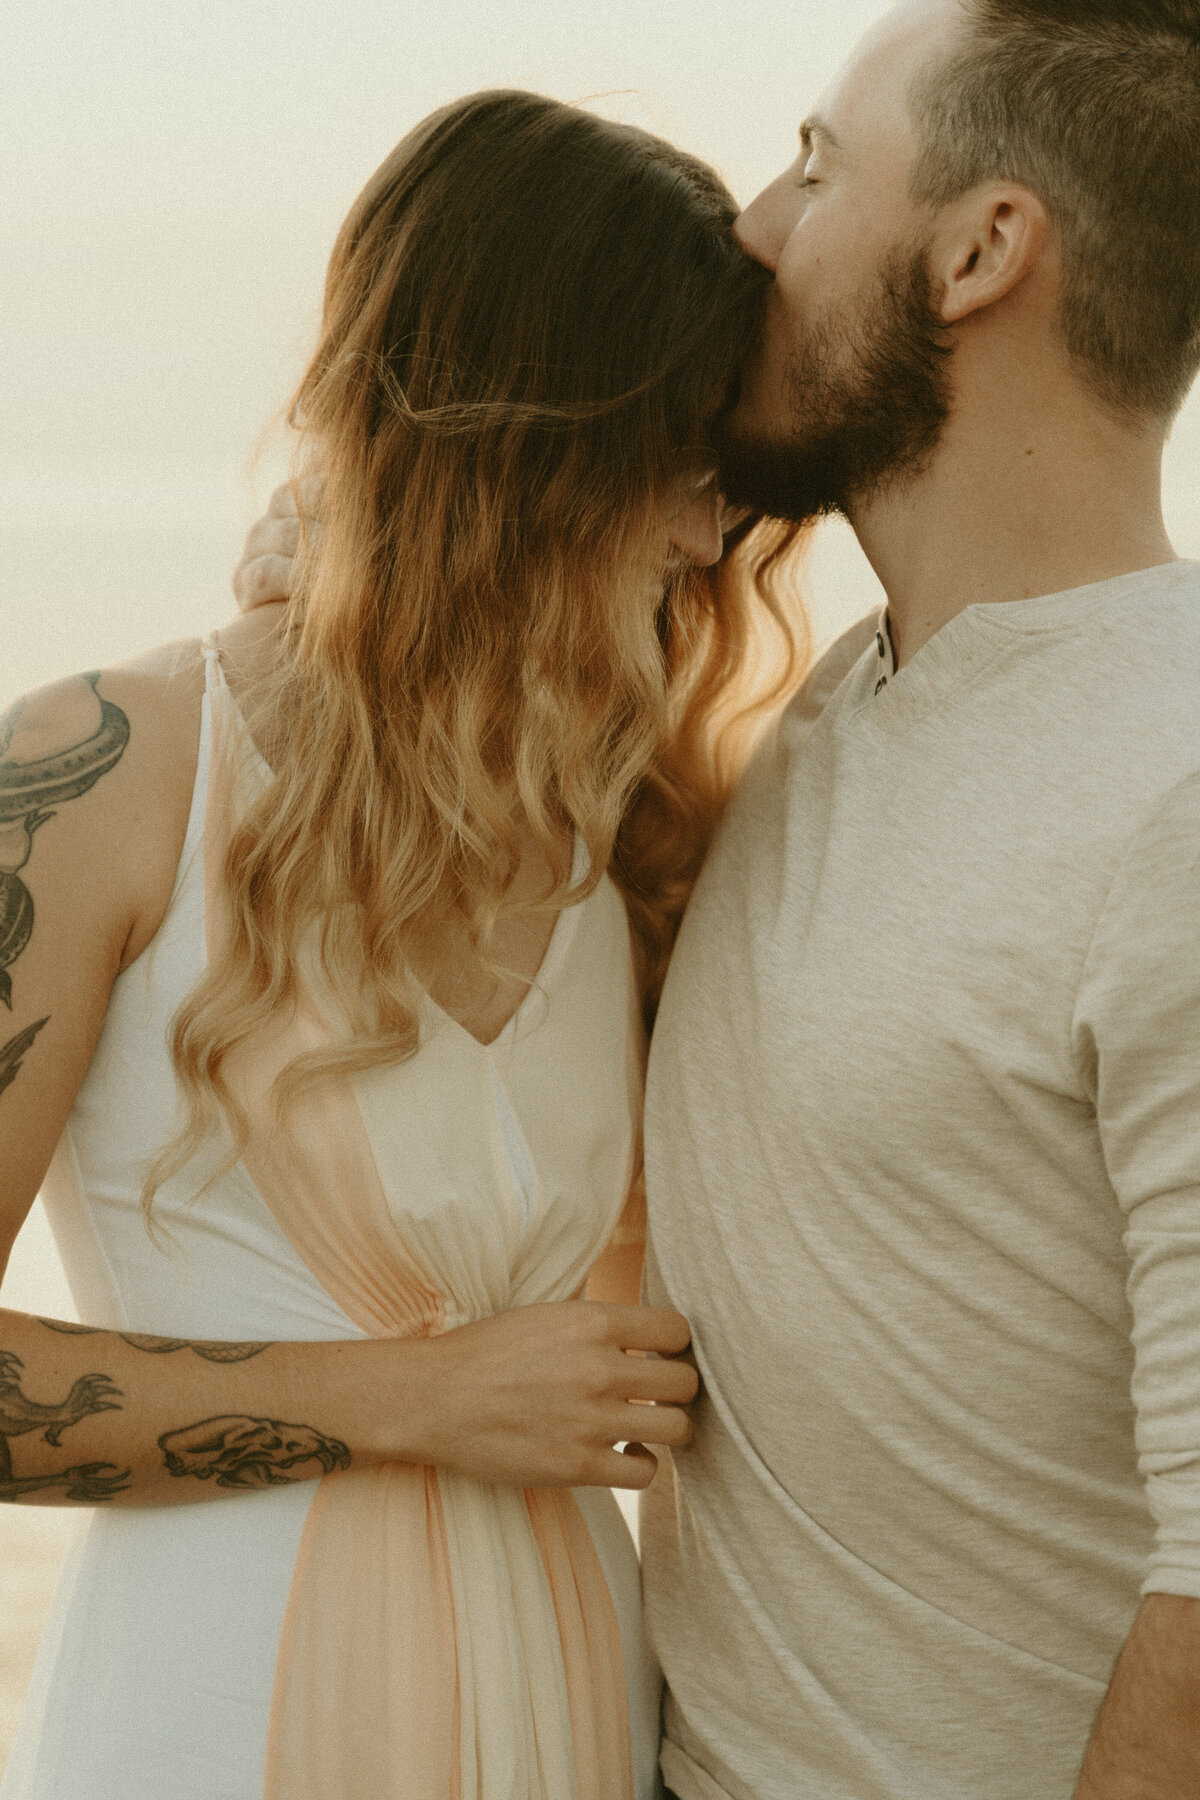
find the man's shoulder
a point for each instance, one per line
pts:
(1145, 653)
(1109, 675)
(823, 680)
(1155, 617)
(754, 806)
(830, 669)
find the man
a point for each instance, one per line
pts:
(923, 1117)
(923, 1128)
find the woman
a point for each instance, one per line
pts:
(328, 945)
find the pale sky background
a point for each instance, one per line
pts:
(172, 177)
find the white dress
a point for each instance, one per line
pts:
(500, 1173)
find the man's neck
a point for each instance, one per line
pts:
(1022, 499)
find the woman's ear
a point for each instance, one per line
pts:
(984, 246)
(695, 526)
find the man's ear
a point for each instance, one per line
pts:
(985, 244)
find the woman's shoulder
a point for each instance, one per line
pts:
(137, 719)
(155, 683)
(110, 756)
(96, 774)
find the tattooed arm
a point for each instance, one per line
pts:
(95, 783)
(90, 1416)
(95, 779)
(536, 1397)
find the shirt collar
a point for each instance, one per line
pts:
(885, 654)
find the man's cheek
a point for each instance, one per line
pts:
(762, 396)
(829, 260)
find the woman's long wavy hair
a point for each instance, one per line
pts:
(530, 315)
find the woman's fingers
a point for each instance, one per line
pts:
(273, 537)
(654, 1328)
(663, 1379)
(538, 1395)
(668, 1425)
(274, 544)
(633, 1467)
(262, 580)
(302, 497)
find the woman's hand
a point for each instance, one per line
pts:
(538, 1397)
(274, 543)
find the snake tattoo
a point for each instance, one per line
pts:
(215, 1350)
(30, 794)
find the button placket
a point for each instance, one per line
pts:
(883, 644)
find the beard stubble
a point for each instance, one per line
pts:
(868, 406)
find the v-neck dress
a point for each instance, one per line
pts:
(379, 1634)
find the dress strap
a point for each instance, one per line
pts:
(214, 674)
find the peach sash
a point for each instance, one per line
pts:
(443, 1640)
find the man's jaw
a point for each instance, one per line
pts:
(784, 477)
(854, 415)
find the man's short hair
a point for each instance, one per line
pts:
(1095, 106)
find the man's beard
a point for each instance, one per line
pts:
(868, 405)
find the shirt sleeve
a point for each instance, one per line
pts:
(1138, 1020)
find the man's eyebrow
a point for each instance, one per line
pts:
(815, 127)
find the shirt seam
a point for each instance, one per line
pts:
(1005, 621)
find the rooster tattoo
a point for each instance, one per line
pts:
(87, 1482)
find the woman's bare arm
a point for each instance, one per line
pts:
(95, 782)
(89, 1416)
(536, 1397)
(94, 788)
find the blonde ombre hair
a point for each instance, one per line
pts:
(530, 315)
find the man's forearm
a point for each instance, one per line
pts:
(1146, 1740)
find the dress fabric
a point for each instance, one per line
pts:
(387, 1631)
